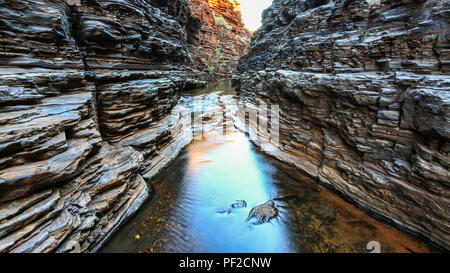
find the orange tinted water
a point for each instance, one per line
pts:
(190, 210)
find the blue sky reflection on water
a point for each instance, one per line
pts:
(189, 203)
(223, 174)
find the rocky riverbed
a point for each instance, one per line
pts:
(198, 204)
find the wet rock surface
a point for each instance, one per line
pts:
(193, 200)
(263, 213)
(239, 204)
(223, 37)
(364, 103)
(87, 113)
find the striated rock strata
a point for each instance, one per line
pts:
(223, 37)
(87, 96)
(363, 91)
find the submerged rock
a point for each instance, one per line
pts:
(363, 91)
(224, 211)
(239, 204)
(263, 213)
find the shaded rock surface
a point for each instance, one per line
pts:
(363, 91)
(87, 96)
(223, 37)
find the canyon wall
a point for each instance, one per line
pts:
(87, 96)
(363, 91)
(223, 37)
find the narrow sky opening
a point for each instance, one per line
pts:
(252, 12)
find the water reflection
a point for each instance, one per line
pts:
(190, 210)
(221, 87)
(232, 172)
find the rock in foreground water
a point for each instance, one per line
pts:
(263, 213)
(363, 92)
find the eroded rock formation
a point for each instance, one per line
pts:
(223, 37)
(87, 96)
(363, 89)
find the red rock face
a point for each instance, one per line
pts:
(223, 36)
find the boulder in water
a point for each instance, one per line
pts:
(263, 213)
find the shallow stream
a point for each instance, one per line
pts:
(190, 209)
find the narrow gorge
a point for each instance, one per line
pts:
(363, 89)
(88, 96)
(223, 37)
(103, 146)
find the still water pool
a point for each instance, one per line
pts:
(190, 208)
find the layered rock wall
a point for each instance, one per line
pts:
(363, 91)
(223, 37)
(87, 96)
